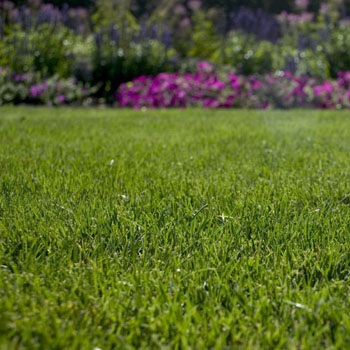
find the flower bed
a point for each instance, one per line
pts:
(207, 88)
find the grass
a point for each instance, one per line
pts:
(174, 229)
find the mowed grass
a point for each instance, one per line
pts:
(182, 229)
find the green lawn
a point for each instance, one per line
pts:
(182, 229)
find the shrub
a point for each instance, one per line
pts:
(13, 88)
(338, 49)
(115, 62)
(35, 13)
(205, 41)
(30, 88)
(207, 88)
(248, 55)
(204, 88)
(308, 62)
(47, 50)
(261, 24)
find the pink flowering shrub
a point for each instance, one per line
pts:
(209, 89)
(58, 92)
(204, 88)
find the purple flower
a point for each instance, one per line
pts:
(16, 77)
(37, 90)
(34, 91)
(61, 99)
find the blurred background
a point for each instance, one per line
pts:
(103, 43)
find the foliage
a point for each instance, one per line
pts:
(145, 7)
(315, 43)
(247, 55)
(13, 88)
(114, 12)
(205, 41)
(108, 44)
(312, 63)
(115, 62)
(338, 49)
(47, 49)
(204, 88)
(35, 13)
(266, 5)
(30, 88)
(262, 25)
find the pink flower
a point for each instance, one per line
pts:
(324, 8)
(255, 84)
(301, 4)
(234, 80)
(264, 105)
(210, 103)
(204, 67)
(344, 79)
(326, 87)
(194, 5)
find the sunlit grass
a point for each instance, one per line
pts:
(174, 229)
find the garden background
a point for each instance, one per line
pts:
(253, 54)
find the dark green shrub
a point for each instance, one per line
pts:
(301, 62)
(338, 49)
(114, 63)
(248, 55)
(205, 41)
(47, 49)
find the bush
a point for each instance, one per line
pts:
(13, 88)
(204, 88)
(44, 40)
(205, 41)
(248, 55)
(338, 49)
(115, 63)
(30, 88)
(301, 62)
(207, 88)
(47, 50)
